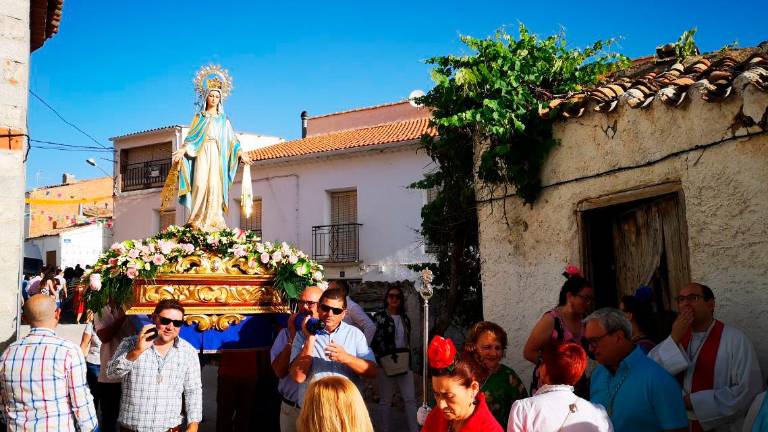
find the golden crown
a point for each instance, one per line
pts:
(212, 77)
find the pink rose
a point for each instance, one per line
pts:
(134, 253)
(118, 247)
(95, 281)
(277, 256)
(239, 251)
(112, 261)
(265, 257)
(158, 259)
(132, 272)
(253, 264)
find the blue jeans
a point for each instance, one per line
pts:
(92, 377)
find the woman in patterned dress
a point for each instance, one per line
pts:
(488, 341)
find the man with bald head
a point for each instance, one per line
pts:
(281, 356)
(716, 363)
(42, 377)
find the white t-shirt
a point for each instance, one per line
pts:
(401, 341)
(94, 349)
(554, 408)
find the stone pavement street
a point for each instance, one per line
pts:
(73, 332)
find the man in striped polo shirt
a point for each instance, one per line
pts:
(42, 377)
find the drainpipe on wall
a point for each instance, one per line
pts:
(304, 116)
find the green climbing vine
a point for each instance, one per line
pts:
(490, 100)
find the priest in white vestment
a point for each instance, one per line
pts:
(716, 362)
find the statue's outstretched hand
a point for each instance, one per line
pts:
(179, 154)
(245, 158)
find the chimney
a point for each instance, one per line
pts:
(68, 178)
(304, 116)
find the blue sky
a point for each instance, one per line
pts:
(120, 67)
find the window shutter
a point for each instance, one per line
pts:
(167, 219)
(343, 207)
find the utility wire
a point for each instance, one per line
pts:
(65, 120)
(67, 149)
(74, 146)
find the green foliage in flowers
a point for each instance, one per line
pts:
(489, 100)
(123, 262)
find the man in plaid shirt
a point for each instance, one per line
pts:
(156, 368)
(42, 377)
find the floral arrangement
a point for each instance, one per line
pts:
(441, 353)
(111, 278)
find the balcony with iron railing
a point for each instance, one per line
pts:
(338, 243)
(145, 175)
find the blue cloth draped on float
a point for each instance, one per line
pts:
(221, 130)
(255, 331)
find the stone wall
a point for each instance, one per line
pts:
(14, 80)
(725, 190)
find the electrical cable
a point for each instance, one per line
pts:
(65, 120)
(635, 166)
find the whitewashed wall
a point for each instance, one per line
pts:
(295, 197)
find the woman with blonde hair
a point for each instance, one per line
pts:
(333, 404)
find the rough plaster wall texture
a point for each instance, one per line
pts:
(726, 210)
(14, 78)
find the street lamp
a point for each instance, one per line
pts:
(92, 162)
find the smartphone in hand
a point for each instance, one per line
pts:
(151, 334)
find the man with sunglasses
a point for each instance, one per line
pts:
(157, 367)
(716, 363)
(338, 349)
(639, 395)
(281, 355)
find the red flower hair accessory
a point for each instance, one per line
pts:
(571, 271)
(441, 353)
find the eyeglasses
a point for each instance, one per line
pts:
(166, 321)
(327, 309)
(307, 303)
(593, 341)
(587, 298)
(690, 297)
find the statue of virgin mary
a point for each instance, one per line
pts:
(208, 160)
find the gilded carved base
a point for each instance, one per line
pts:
(212, 301)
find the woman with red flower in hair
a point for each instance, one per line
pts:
(459, 404)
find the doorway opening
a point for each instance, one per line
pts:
(637, 238)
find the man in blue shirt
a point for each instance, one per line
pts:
(638, 393)
(338, 349)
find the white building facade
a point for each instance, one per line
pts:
(72, 245)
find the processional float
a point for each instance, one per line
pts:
(235, 288)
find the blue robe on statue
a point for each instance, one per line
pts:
(208, 169)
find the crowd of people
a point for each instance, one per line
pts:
(701, 375)
(64, 286)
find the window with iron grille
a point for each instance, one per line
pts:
(252, 222)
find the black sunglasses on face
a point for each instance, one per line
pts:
(336, 311)
(166, 321)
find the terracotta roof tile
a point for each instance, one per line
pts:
(670, 81)
(407, 130)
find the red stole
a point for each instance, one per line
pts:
(704, 369)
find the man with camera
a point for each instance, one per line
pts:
(281, 355)
(337, 349)
(156, 368)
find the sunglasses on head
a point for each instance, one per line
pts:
(336, 311)
(166, 321)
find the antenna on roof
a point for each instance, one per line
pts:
(415, 95)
